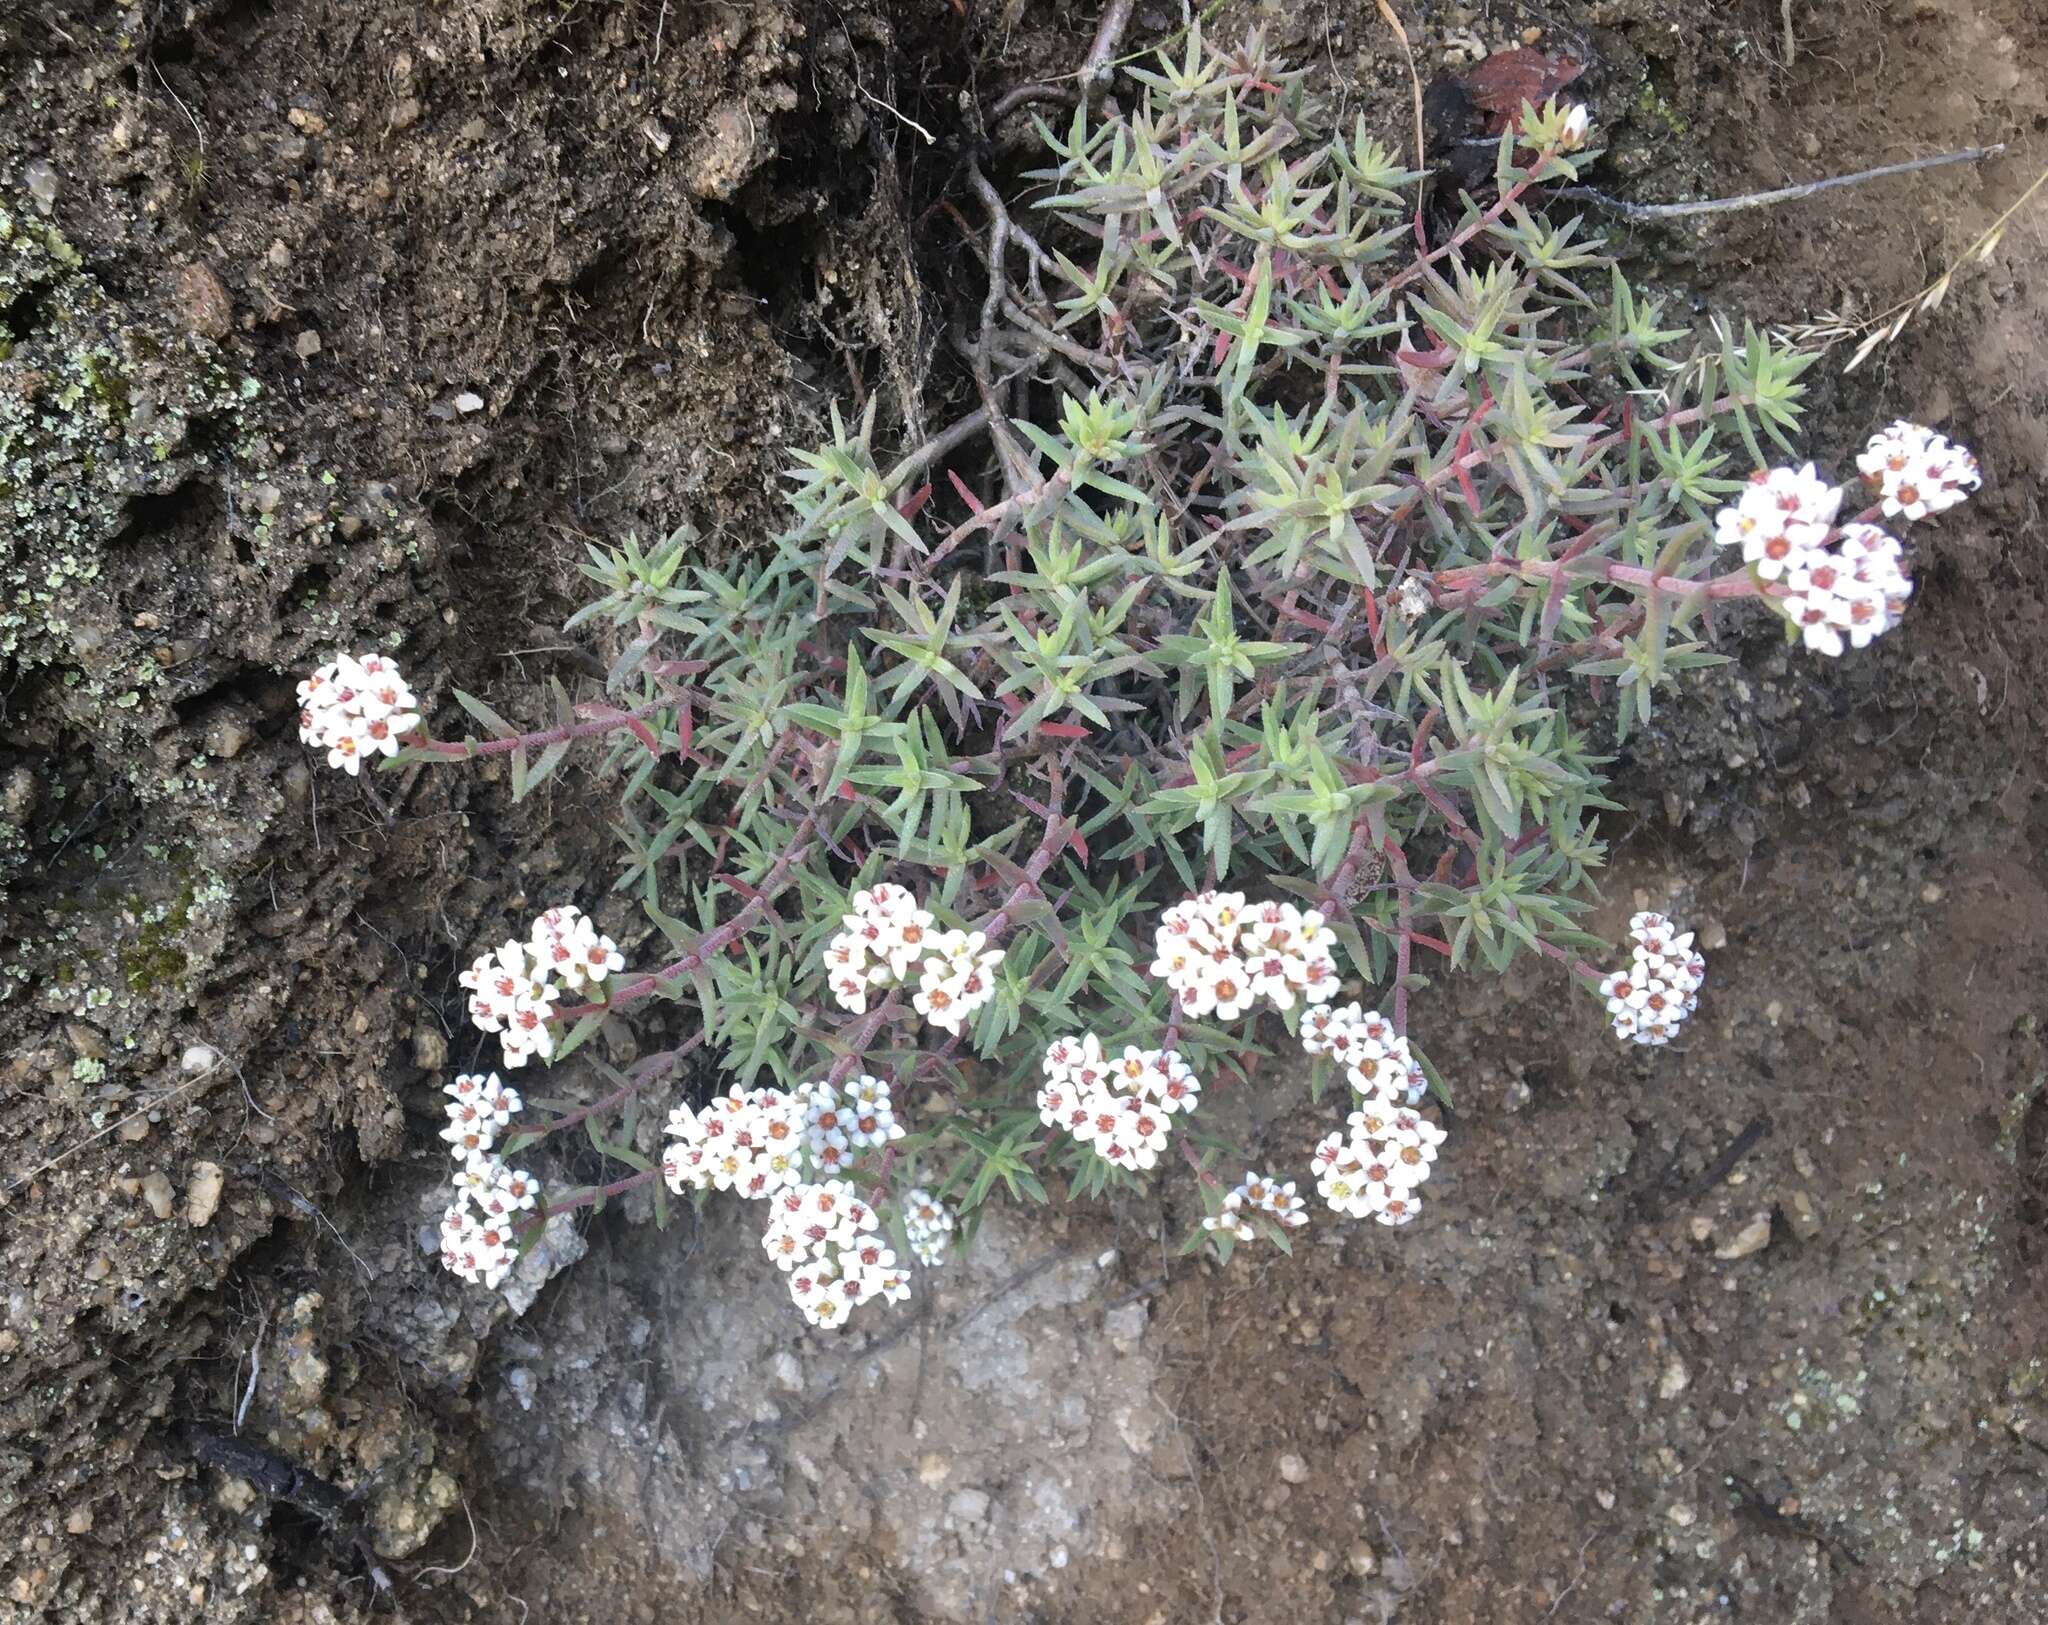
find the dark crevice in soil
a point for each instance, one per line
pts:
(159, 514)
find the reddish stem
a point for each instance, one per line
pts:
(713, 942)
(653, 1067)
(994, 927)
(1734, 584)
(594, 1193)
(463, 750)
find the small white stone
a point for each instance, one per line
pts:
(197, 1059)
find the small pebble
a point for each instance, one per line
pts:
(226, 735)
(1802, 1215)
(157, 1192)
(202, 1195)
(1293, 1469)
(203, 304)
(41, 181)
(1753, 1237)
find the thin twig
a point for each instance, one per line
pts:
(1109, 34)
(1782, 194)
(443, 1568)
(154, 1103)
(189, 119)
(1024, 95)
(874, 100)
(255, 1368)
(1414, 79)
(915, 461)
(1738, 1148)
(999, 213)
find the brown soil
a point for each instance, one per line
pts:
(650, 242)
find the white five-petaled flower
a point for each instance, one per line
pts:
(1258, 1197)
(566, 943)
(1388, 1150)
(1849, 594)
(1231, 1218)
(514, 987)
(751, 1143)
(957, 979)
(1377, 1061)
(1843, 585)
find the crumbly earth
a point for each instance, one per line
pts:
(350, 323)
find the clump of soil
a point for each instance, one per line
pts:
(346, 325)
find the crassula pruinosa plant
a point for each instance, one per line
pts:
(1199, 694)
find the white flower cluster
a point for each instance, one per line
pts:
(786, 1147)
(887, 934)
(928, 1224)
(1856, 589)
(1781, 520)
(1651, 997)
(477, 1242)
(1257, 1197)
(752, 1143)
(825, 1239)
(356, 706)
(1784, 523)
(514, 988)
(1845, 583)
(1376, 1060)
(1221, 957)
(1122, 1107)
(835, 1126)
(1380, 1165)
(1915, 472)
